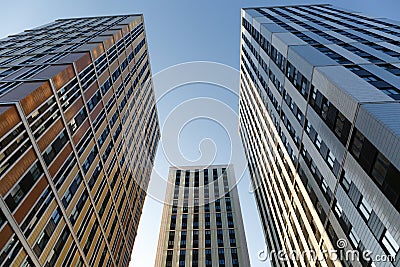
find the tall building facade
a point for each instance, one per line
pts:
(78, 134)
(202, 221)
(319, 108)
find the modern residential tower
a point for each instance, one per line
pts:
(78, 134)
(202, 221)
(319, 120)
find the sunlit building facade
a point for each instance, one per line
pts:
(319, 120)
(202, 221)
(78, 135)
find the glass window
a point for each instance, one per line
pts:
(357, 144)
(42, 241)
(16, 193)
(2, 218)
(369, 78)
(331, 159)
(318, 141)
(339, 125)
(390, 244)
(55, 147)
(338, 209)
(56, 216)
(325, 107)
(308, 127)
(380, 168)
(365, 209)
(354, 238)
(346, 182)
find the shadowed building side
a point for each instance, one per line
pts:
(202, 221)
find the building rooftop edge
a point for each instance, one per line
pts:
(200, 166)
(101, 16)
(246, 8)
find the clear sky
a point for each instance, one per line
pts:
(180, 31)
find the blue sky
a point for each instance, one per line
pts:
(181, 31)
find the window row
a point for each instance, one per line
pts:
(377, 166)
(333, 118)
(24, 186)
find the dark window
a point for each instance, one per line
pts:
(90, 238)
(377, 166)
(94, 100)
(364, 151)
(380, 168)
(89, 160)
(20, 190)
(2, 219)
(53, 150)
(42, 241)
(77, 120)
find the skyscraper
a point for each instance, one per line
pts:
(319, 120)
(202, 221)
(78, 135)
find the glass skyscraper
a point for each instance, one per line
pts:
(202, 221)
(78, 135)
(319, 120)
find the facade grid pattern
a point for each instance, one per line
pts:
(78, 135)
(319, 91)
(202, 223)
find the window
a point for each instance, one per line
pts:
(365, 209)
(380, 168)
(331, 159)
(87, 77)
(16, 193)
(354, 238)
(390, 244)
(106, 86)
(325, 107)
(357, 144)
(394, 70)
(67, 198)
(9, 71)
(78, 207)
(56, 216)
(116, 74)
(324, 186)
(19, 191)
(94, 101)
(338, 209)
(43, 117)
(308, 127)
(318, 141)
(346, 182)
(42, 241)
(2, 219)
(354, 68)
(339, 125)
(53, 150)
(103, 136)
(91, 236)
(207, 207)
(171, 239)
(183, 239)
(77, 120)
(369, 78)
(89, 160)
